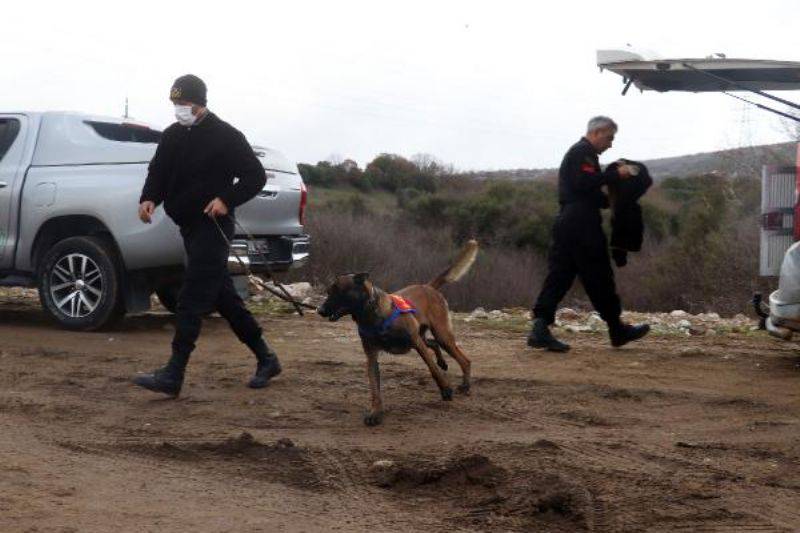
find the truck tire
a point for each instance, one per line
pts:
(80, 283)
(168, 296)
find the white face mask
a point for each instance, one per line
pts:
(184, 115)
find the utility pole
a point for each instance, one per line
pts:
(126, 107)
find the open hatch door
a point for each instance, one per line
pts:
(711, 74)
(780, 210)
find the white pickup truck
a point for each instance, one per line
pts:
(69, 192)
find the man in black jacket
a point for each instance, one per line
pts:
(579, 245)
(192, 173)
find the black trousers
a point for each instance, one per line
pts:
(208, 287)
(580, 250)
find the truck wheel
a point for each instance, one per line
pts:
(168, 296)
(80, 283)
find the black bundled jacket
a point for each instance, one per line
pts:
(627, 225)
(193, 165)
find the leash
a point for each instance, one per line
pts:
(283, 294)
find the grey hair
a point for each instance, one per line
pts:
(600, 122)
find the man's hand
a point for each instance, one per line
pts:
(146, 210)
(216, 208)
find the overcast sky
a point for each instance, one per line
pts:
(482, 85)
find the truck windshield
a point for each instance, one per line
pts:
(9, 128)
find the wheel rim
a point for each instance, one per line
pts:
(76, 285)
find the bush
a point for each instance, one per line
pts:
(400, 254)
(326, 174)
(699, 250)
(429, 210)
(658, 223)
(507, 214)
(354, 205)
(393, 172)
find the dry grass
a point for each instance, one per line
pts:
(718, 275)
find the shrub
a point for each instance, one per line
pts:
(699, 251)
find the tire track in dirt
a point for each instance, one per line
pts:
(704, 527)
(776, 509)
(357, 494)
(338, 472)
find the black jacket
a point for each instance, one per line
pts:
(193, 165)
(627, 225)
(580, 177)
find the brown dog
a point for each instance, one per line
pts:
(388, 323)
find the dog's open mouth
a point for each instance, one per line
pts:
(336, 315)
(332, 315)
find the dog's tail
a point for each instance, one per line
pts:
(460, 267)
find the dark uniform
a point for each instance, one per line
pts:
(579, 245)
(192, 166)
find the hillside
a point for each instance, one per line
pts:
(736, 162)
(733, 163)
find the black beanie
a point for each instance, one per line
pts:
(189, 88)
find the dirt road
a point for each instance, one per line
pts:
(674, 434)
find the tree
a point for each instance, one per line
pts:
(393, 172)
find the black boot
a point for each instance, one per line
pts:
(268, 365)
(622, 334)
(540, 337)
(169, 379)
(166, 380)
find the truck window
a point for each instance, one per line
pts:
(9, 128)
(131, 133)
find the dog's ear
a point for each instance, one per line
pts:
(360, 278)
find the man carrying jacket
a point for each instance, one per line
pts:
(192, 173)
(579, 245)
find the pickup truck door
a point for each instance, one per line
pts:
(13, 131)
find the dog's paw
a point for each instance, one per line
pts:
(447, 394)
(464, 388)
(373, 419)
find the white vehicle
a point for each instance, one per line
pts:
(780, 193)
(69, 194)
